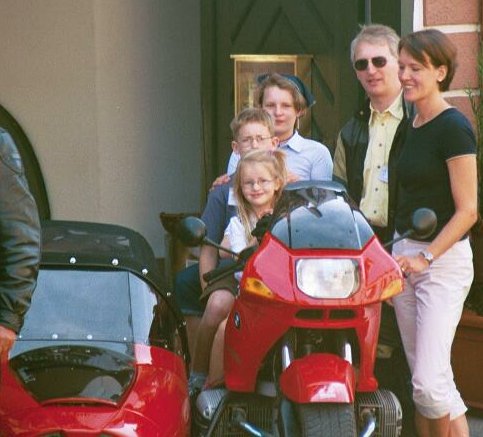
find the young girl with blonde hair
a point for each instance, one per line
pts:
(265, 169)
(258, 184)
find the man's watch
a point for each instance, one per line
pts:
(427, 255)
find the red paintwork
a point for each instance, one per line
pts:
(264, 321)
(319, 378)
(157, 404)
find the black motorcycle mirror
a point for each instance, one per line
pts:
(423, 224)
(192, 232)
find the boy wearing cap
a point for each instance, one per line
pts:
(286, 99)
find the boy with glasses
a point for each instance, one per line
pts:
(366, 154)
(252, 129)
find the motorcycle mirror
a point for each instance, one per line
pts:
(424, 222)
(191, 231)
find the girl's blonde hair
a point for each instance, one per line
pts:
(275, 163)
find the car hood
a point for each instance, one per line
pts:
(154, 401)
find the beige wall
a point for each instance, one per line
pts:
(108, 93)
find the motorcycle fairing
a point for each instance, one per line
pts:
(244, 356)
(319, 377)
(304, 227)
(275, 265)
(319, 215)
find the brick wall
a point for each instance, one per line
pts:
(461, 21)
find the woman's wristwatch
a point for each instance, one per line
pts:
(427, 255)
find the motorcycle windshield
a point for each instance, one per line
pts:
(78, 336)
(319, 215)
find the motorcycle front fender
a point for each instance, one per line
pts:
(319, 378)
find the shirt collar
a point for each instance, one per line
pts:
(295, 142)
(395, 109)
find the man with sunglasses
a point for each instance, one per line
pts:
(367, 150)
(369, 143)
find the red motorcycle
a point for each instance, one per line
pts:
(300, 342)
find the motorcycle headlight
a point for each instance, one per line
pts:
(327, 278)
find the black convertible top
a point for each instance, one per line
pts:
(78, 244)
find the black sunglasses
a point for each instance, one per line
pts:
(377, 61)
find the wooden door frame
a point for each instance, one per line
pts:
(399, 17)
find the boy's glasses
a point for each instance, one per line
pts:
(377, 61)
(262, 183)
(249, 141)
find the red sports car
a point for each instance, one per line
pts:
(102, 351)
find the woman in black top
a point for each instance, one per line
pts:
(437, 169)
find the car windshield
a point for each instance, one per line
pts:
(318, 215)
(91, 305)
(81, 328)
(80, 305)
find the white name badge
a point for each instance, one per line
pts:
(384, 174)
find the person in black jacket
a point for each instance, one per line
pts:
(19, 243)
(370, 142)
(365, 158)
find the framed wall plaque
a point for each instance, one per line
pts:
(248, 67)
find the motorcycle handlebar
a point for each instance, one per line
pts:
(226, 270)
(221, 272)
